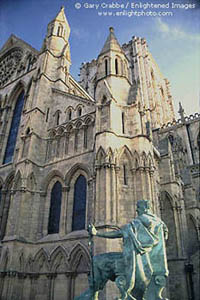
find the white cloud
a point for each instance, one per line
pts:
(175, 32)
(80, 33)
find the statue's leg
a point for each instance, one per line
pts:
(155, 288)
(96, 295)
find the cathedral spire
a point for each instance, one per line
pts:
(58, 32)
(111, 43)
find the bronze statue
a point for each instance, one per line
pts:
(139, 271)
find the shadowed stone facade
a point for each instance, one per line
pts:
(113, 135)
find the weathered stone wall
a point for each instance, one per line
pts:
(65, 133)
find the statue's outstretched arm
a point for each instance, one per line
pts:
(110, 235)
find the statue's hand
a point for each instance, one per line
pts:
(92, 230)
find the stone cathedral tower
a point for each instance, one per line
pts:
(78, 152)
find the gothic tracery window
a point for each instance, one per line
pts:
(79, 207)
(12, 138)
(55, 208)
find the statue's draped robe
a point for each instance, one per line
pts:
(144, 251)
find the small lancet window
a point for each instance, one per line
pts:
(57, 118)
(123, 125)
(106, 67)
(125, 177)
(29, 66)
(116, 66)
(69, 114)
(60, 30)
(79, 111)
(47, 115)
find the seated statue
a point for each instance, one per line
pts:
(140, 270)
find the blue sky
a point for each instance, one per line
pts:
(174, 41)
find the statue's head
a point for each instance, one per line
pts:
(143, 206)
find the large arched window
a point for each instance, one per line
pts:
(79, 208)
(12, 138)
(55, 208)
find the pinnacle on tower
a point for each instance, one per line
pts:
(59, 26)
(111, 43)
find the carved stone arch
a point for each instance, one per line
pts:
(116, 156)
(100, 156)
(88, 120)
(57, 111)
(193, 245)
(167, 209)
(144, 159)
(69, 110)
(126, 152)
(31, 181)
(17, 181)
(52, 133)
(150, 160)
(5, 259)
(80, 265)
(21, 261)
(79, 105)
(8, 184)
(29, 264)
(41, 261)
(16, 91)
(69, 128)
(59, 257)
(110, 155)
(125, 164)
(78, 253)
(47, 181)
(77, 169)
(78, 124)
(60, 131)
(136, 160)
(77, 181)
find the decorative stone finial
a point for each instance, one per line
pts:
(111, 29)
(181, 112)
(62, 7)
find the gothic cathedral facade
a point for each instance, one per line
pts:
(73, 152)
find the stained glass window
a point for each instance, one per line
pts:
(55, 208)
(12, 138)
(79, 208)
